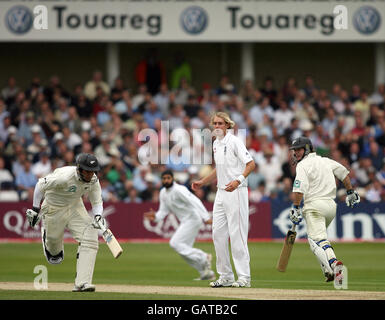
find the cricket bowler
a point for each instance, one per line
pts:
(63, 207)
(192, 214)
(233, 164)
(315, 184)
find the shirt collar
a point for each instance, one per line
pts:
(225, 138)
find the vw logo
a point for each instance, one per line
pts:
(194, 20)
(367, 20)
(19, 19)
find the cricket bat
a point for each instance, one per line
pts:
(286, 249)
(111, 241)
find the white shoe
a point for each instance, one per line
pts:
(221, 283)
(241, 283)
(208, 275)
(84, 288)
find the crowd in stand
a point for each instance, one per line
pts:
(44, 126)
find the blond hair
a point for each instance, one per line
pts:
(225, 117)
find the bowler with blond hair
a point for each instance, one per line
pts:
(233, 163)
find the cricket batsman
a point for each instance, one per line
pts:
(315, 184)
(63, 207)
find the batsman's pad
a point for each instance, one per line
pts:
(286, 250)
(321, 256)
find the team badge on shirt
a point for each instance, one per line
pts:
(297, 183)
(72, 189)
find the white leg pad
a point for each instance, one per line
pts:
(321, 256)
(86, 258)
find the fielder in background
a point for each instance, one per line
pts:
(63, 207)
(315, 183)
(233, 163)
(190, 212)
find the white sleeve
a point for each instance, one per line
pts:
(338, 169)
(162, 211)
(37, 196)
(301, 182)
(97, 209)
(191, 199)
(241, 151)
(95, 195)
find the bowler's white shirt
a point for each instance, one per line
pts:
(63, 187)
(180, 201)
(315, 177)
(231, 157)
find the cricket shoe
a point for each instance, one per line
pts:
(241, 283)
(329, 276)
(84, 288)
(221, 283)
(207, 275)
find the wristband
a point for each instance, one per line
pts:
(350, 191)
(241, 179)
(37, 210)
(295, 207)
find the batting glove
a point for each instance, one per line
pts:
(296, 214)
(352, 198)
(33, 216)
(99, 222)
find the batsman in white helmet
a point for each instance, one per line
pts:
(177, 199)
(63, 208)
(315, 184)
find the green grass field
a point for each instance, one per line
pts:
(157, 264)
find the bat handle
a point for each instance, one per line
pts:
(293, 227)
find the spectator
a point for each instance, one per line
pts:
(151, 72)
(9, 92)
(43, 166)
(271, 169)
(118, 89)
(247, 93)
(162, 100)
(374, 191)
(25, 181)
(181, 70)
(362, 104)
(269, 91)
(376, 155)
(255, 178)
(91, 87)
(5, 174)
(378, 96)
(282, 117)
(152, 114)
(260, 109)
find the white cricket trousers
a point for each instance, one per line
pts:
(231, 220)
(76, 219)
(318, 215)
(183, 240)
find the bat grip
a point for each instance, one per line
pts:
(293, 227)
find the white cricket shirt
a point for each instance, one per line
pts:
(63, 187)
(315, 177)
(231, 157)
(180, 201)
